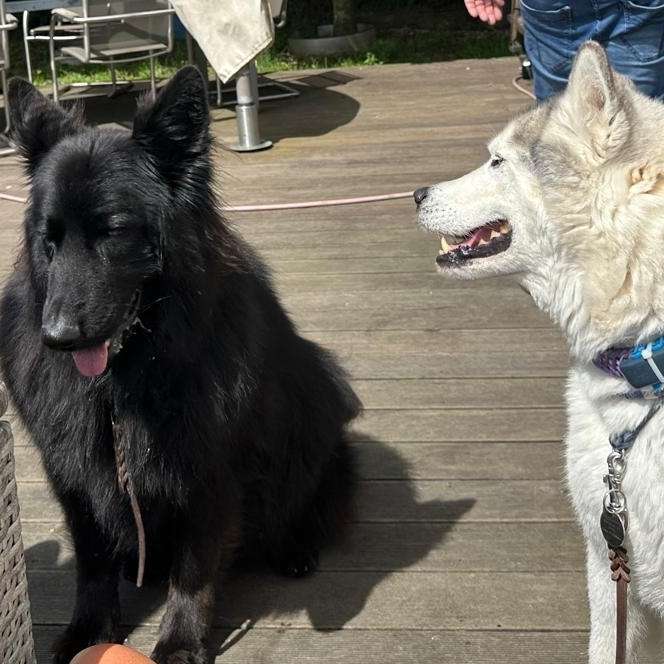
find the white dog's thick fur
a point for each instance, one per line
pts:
(581, 182)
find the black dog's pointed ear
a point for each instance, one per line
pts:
(37, 123)
(175, 128)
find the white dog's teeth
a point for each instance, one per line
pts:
(483, 241)
(444, 246)
(495, 234)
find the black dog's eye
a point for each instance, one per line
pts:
(114, 230)
(496, 161)
(49, 248)
(54, 234)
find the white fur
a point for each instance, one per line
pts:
(582, 185)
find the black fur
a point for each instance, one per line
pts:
(235, 424)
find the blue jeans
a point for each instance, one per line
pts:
(632, 33)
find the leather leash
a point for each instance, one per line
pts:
(127, 486)
(620, 573)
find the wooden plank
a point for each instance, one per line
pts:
(448, 354)
(387, 250)
(416, 298)
(452, 341)
(359, 600)
(304, 646)
(424, 461)
(313, 265)
(477, 424)
(394, 501)
(406, 237)
(376, 547)
(379, 220)
(444, 501)
(459, 547)
(381, 281)
(423, 364)
(446, 317)
(416, 310)
(459, 461)
(477, 393)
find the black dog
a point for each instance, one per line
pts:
(136, 313)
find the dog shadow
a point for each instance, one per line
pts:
(394, 531)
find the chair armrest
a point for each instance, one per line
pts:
(9, 23)
(69, 15)
(66, 14)
(45, 29)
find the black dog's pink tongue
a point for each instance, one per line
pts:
(92, 361)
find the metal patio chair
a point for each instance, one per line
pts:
(115, 32)
(7, 23)
(65, 33)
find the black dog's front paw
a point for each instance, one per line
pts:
(168, 654)
(74, 639)
(298, 564)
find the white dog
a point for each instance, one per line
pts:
(572, 201)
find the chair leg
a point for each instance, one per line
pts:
(26, 44)
(3, 81)
(7, 147)
(220, 94)
(114, 79)
(153, 79)
(54, 66)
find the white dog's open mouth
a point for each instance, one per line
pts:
(488, 240)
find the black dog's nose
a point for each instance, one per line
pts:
(59, 334)
(420, 194)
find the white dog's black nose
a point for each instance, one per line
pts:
(420, 194)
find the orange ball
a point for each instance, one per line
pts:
(110, 653)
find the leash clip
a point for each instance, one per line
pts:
(613, 521)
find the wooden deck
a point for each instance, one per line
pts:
(465, 549)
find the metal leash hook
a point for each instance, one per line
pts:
(614, 515)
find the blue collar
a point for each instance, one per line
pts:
(642, 366)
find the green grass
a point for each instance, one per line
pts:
(405, 35)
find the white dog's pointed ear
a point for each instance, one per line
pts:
(597, 99)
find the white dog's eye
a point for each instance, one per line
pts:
(496, 161)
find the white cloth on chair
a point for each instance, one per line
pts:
(231, 33)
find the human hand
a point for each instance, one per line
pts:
(489, 11)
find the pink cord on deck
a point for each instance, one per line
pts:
(14, 199)
(283, 206)
(323, 203)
